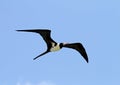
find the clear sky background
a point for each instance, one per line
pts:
(94, 23)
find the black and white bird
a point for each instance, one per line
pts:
(54, 46)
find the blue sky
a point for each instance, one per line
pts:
(94, 23)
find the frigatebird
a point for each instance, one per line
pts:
(53, 45)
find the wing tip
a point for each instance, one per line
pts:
(86, 58)
(20, 30)
(33, 30)
(17, 30)
(87, 61)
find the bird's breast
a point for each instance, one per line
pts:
(55, 48)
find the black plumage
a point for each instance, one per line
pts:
(79, 47)
(53, 46)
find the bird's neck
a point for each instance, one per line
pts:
(61, 45)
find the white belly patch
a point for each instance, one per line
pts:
(56, 48)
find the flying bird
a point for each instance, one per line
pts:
(53, 46)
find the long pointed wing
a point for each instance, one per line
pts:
(79, 47)
(45, 33)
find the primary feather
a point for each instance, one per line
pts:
(79, 47)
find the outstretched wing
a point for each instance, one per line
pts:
(79, 47)
(45, 33)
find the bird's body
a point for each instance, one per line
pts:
(52, 46)
(55, 47)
